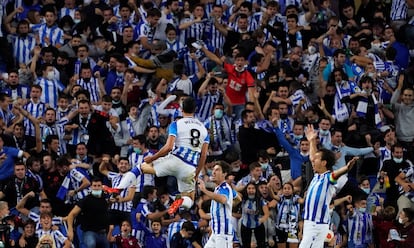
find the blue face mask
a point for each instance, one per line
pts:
(209, 172)
(218, 113)
(297, 137)
(264, 165)
(137, 150)
(96, 192)
(366, 190)
(251, 197)
(398, 160)
(323, 132)
(362, 210)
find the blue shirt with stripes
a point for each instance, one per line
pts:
(22, 46)
(250, 213)
(120, 206)
(221, 214)
(135, 160)
(53, 33)
(51, 89)
(36, 110)
(318, 198)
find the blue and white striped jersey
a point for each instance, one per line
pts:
(221, 214)
(58, 237)
(76, 177)
(206, 105)
(36, 218)
(359, 228)
(67, 12)
(250, 213)
(51, 89)
(58, 128)
(120, 206)
(53, 33)
(135, 160)
(22, 47)
(176, 227)
(36, 110)
(399, 10)
(196, 30)
(318, 198)
(190, 135)
(92, 86)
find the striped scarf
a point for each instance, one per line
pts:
(362, 107)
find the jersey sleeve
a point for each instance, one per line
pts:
(172, 130)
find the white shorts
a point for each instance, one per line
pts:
(171, 165)
(219, 241)
(313, 234)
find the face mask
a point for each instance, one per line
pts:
(323, 132)
(218, 113)
(283, 116)
(311, 50)
(239, 70)
(76, 21)
(304, 153)
(87, 80)
(264, 165)
(209, 172)
(371, 74)
(251, 197)
(398, 160)
(50, 75)
(367, 190)
(137, 150)
(155, 199)
(400, 220)
(362, 210)
(235, 169)
(119, 74)
(96, 193)
(368, 91)
(297, 137)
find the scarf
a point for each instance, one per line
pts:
(340, 110)
(363, 106)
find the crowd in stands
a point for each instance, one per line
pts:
(89, 89)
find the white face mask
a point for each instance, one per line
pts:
(311, 50)
(398, 160)
(400, 220)
(50, 75)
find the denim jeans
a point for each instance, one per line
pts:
(95, 239)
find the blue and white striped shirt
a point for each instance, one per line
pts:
(206, 105)
(54, 33)
(399, 10)
(67, 12)
(190, 135)
(359, 228)
(92, 87)
(135, 160)
(196, 30)
(36, 110)
(58, 128)
(176, 227)
(250, 213)
(51, 89)
(221, 214)
(318, 198)
(120, 206)
(58, 237)
(22, 48)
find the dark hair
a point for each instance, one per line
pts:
(254, 165)
(148, 189)
(154, 12)
(188, 226)
(62, 161)
(328, 156)
(257, 198)
(141, 138)
(96, 179)
(225, 167)
(398, 145)
(189, 105)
